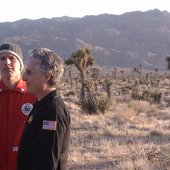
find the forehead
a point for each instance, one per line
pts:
(32, 65)
(6, 54)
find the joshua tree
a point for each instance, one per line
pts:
(114, 72)
(168, 60)
(69, 70)
(108, 84)
(122, 74)
(81, 59)
(138, 69)
(156, 71)
(95, 76)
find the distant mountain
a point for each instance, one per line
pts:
(126, 40)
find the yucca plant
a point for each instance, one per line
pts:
(94, 105)
(104, 104)
(89, 105)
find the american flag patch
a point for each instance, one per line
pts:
(49, 125)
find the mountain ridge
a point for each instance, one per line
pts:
(126, 40)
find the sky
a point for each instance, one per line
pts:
(12, 10)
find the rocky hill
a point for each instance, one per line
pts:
(127, 40)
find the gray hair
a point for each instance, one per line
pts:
(49, 62)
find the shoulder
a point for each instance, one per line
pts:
(22, 85)
(60, 106)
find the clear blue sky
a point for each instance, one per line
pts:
(12, 10)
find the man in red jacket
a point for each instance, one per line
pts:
(15, 103)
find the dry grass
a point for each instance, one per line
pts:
(124, 138)
(132, 135)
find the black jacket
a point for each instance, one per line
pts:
(45, 141)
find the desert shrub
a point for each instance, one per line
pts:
(156, 96)
(95, 105)
(135, 94)
(157, 154)
(153, 96)
(104, 104)
(70, 93)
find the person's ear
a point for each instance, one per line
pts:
(48, 76)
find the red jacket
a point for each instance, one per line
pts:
(15, 105)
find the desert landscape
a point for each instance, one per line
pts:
(132, 131)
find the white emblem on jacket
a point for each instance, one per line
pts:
(26, 108)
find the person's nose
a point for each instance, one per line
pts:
(7, 61)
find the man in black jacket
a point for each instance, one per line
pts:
(45, 140)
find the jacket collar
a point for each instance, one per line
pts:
(48, 97)
(20, 87)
